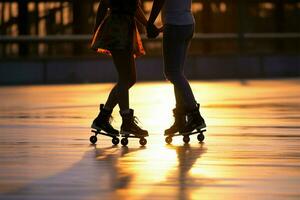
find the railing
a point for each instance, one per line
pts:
(197, 36)
(231, 43)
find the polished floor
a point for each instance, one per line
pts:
(251, 150)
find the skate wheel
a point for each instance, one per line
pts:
(143, 141)
(201, 137)
(124, 141)
(115, 140)
(168, 140)
(93, 139)
(186, 139)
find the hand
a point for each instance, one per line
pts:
(161, 29)
(152, 31)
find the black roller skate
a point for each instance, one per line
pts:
(130, 129)
(194, 121)
(191, 120)
(179, 123)
(101, 125)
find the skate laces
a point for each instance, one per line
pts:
(111, 119)
(136, 120)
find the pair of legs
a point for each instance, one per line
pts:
(125, 65)
(176, 42)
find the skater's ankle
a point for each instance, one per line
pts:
(194, 108)
(107, 108)
(125, 112)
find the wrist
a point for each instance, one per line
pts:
(150, 22)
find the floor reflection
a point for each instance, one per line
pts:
(109, 157)
(187, 157)
(155, 172)
(97, 174)
(251, 141)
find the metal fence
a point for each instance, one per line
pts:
(55, 28)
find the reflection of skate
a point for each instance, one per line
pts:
(187, 157)
(101, 125)
(186, 124)
(130, 129)
(110, 161)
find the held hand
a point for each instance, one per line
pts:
(152, 31)
(161, 29)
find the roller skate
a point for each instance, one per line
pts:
(130, 129)
(101, 125)
(189, 122)
(179, 122)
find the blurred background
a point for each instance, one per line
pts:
(47, 41)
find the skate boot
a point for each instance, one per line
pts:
(102, 122)
(179, 122)
(129, 126)
(194, 121)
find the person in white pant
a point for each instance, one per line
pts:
(178, 31)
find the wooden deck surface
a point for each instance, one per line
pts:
(251, 150)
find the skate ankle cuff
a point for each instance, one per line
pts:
(126, 112)
(105, 109)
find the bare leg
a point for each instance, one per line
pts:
(125, 65)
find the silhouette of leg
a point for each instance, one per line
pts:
(125, 65)
(175, 45)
